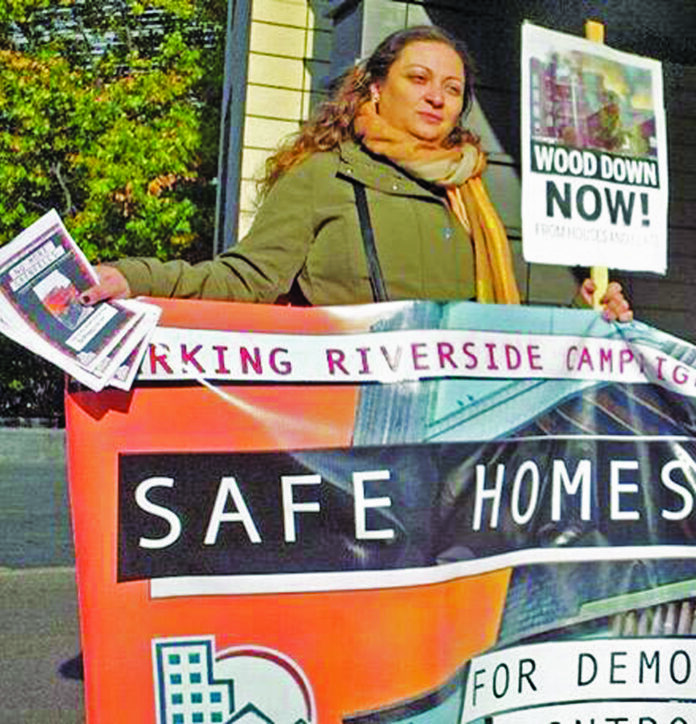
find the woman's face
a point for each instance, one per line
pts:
(423, 92)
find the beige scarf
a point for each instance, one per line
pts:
(458, 170)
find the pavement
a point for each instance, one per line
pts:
(38, 635)
(39, 630)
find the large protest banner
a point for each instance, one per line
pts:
(594, 154)
(405, 512)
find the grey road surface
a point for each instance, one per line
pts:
(39, 629)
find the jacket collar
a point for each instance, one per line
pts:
(374, 172)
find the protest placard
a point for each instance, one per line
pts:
(594, 154)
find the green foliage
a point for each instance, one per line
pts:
(109, 113)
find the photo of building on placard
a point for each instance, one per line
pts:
(594, 148)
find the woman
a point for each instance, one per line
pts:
(385, 159)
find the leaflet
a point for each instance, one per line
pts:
(42, 274)
(141, 333)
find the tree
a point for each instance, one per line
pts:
(110, 114)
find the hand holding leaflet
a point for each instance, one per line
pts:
(42, 275)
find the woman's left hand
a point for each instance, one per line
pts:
(615, 306)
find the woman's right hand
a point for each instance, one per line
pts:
(615, 307)
(112, 285)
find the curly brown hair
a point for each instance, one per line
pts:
(332, 121)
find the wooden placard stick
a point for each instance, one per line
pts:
(599, 274)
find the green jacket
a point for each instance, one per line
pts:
(307, 231)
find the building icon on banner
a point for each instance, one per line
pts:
(244, 685)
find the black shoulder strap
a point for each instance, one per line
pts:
(379, 289)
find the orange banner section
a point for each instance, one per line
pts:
(344, 651)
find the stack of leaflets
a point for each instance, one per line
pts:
(42, 275)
